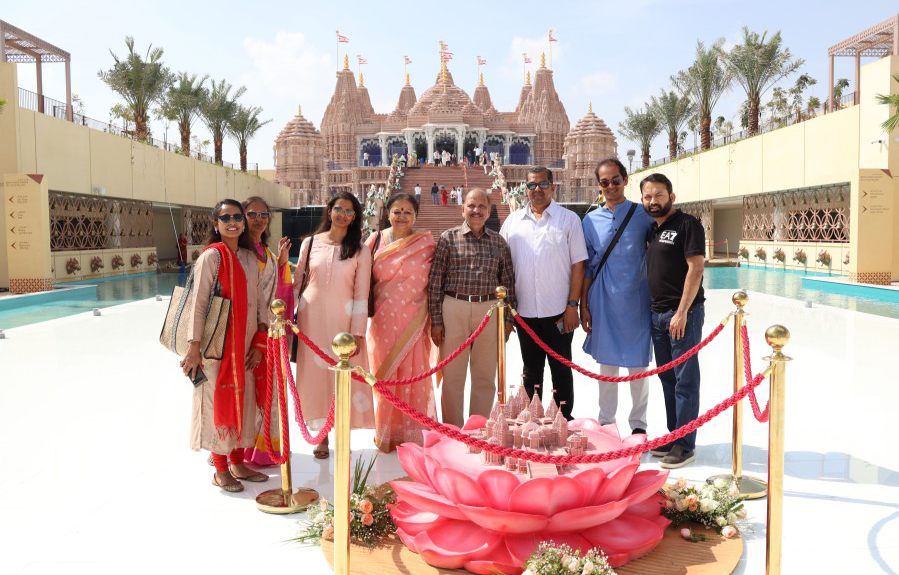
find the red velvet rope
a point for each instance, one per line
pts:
(298, 408)
(761, 416)
(276, 384)
(671, 364)
(409, 380)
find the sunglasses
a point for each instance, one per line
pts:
(543, 185)
(616, 181)
(226, 218)
(257, 215)
(338, 211)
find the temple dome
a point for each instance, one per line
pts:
(481, 96)
(405, 103)
(444, 97)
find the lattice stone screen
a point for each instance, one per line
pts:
(816, 215)
(197, 223)
(90, 223)
(702, 211)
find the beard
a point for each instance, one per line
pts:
(659, 211)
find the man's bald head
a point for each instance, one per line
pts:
(486, 196)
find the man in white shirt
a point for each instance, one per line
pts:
(549, 257)
(418, 193)
(364, 158)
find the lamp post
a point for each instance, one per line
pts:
(630, 160)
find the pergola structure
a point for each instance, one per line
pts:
(876, 42)
(20, 47)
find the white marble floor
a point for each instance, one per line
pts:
(97, 476)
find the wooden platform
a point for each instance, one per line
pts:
(673, 556)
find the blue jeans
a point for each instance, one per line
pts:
(681, 384)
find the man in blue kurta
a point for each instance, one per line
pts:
(615, 306)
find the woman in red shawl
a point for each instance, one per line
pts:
(224, 406)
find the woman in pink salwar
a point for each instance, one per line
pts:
(398, 342)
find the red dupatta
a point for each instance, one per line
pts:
(229, 385)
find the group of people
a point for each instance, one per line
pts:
(440, 196)
(631, 278)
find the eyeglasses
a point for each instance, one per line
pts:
(226, 218)
(257, 215)
(338, 211)
(543, 185)
(616, 181)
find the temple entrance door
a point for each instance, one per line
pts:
(445, 142)
(395, 148)
(468, 146)
(519, 153)
(421, 150)
(374, 154)
(494, 146)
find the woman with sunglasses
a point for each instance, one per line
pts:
(333, 298)
(275, 279)
(225, 405)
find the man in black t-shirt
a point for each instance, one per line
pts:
(675, 258)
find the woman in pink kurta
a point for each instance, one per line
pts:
(335, 299)
(399, 345)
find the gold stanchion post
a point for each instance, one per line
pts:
(282, 501)
(501, 293)
(344, 345)
(777, 337)
(750, 487)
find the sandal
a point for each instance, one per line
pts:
(231, 488)
(321, 452)
(253, 477)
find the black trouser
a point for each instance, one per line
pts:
(534, 359)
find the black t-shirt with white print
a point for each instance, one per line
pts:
(680, 237)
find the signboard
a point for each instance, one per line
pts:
(873, 224)
(26, 210)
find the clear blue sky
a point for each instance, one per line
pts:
(614, 54)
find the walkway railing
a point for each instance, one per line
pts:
(745, 385)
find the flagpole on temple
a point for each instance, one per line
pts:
(337, 39)
(524, 61)
(550, 48)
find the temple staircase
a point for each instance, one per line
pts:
(438, 218)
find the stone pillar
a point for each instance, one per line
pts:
(382, 142)
(429, 134)
(27, 246)
(507, 140)
(830, 101)
(460, 142)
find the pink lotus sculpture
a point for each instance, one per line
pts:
(459, 513)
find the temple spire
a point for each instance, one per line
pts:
(361, 81)
(481, 79)
(590, 109)
(543, 59)
(407, 79)
(527, 81)
(346, 62)
(299, 109)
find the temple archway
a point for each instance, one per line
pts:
(445, 142)
(421, 148)
(494, 144)
(373, 149)
(468, 146)
(396, 146)
(520, 152)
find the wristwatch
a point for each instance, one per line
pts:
(572, 303)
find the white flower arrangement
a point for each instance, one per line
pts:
(552, 559)
(716, 505)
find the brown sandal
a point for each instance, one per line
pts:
(252, 478)
(321, 452)
(232, 488)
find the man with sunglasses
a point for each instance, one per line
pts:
(615, 299)
(548, 254)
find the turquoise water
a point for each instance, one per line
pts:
(109, 292)
(115, 291)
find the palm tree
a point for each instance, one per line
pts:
(704, 82)
(801, 85)
(219, 107)
(813, 104)
(641, 126)
(242, 127)
(140, 81)
(891, 100)
(838, 88)
(757, 65)
(2, 104)
(182, 104)
(673, 112)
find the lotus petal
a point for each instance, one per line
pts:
(431, 466)
(500, 561)
(629, 535)
(430, 438)
(449, 545)
(586, 517)
(426, 499)
(547, 496)
(412, 458)
(459, 488)
(504, 521)
(616, 484)
(498, 485)
(408, 540)
(411, 520)
(644, 484)
(475, 422)
(649, 508)
(591, 480)
(521, 547)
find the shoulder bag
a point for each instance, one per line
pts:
(178, 320)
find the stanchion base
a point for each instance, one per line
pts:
(750, 487)
(673, 556)
(272, 501)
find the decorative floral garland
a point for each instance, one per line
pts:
(370, 519)
(716, 505)
(552, 559)
(515, 197)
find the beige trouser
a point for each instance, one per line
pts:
(460, 319)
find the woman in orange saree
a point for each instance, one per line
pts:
(399, 345)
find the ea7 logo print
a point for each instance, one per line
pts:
(667, 236)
